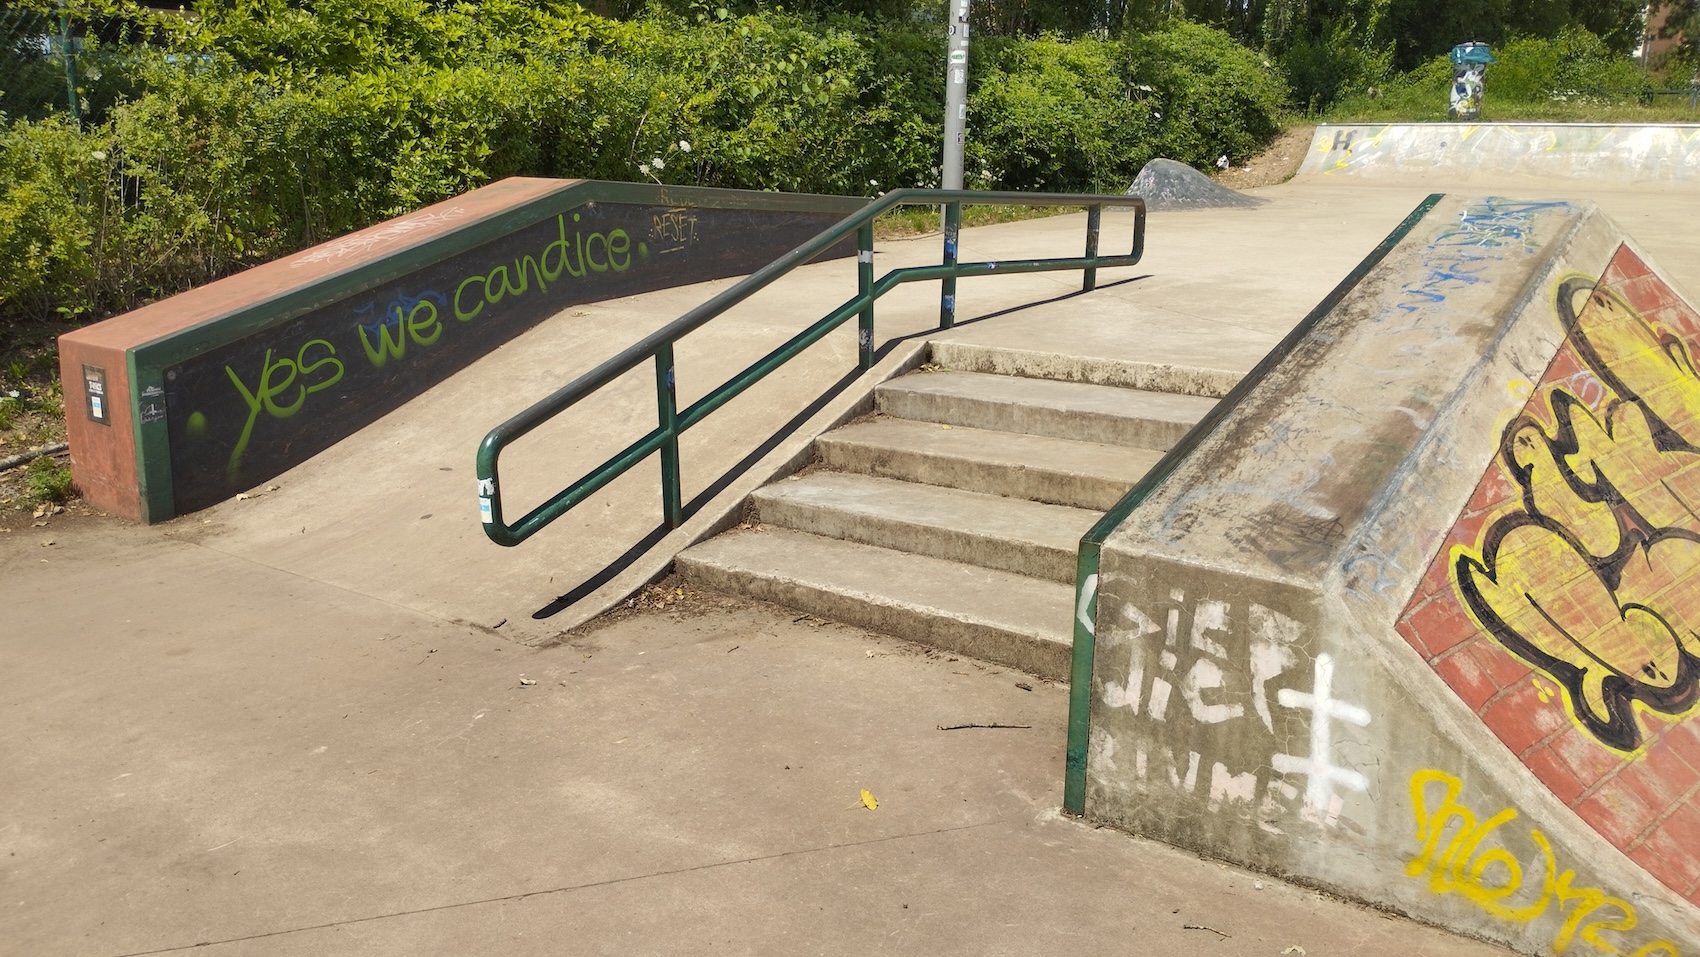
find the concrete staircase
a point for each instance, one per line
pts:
(952, 515)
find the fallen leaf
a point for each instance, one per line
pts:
(868, 800)
(528, 681)
(1295, 949)
(46, 542)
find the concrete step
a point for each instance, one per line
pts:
(1010, 619)
(1038, 468)
(1064, 410)
(1006, 534)
(1069, 367)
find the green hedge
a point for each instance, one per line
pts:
(263, 128)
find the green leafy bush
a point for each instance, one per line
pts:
(1574, 63)
(51, 183)
(1057, 115)
(1087, 114)
(1215, 97)
(264, 126)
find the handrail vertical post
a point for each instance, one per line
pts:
(865, 287)
(1080, 676)
(672, 502)
(1094, 220)
(952, 231)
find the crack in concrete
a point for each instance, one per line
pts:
(673, 872)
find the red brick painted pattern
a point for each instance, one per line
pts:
(1644, 804)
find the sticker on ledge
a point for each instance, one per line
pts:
(94, 387)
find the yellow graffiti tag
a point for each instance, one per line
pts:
(1591, 577)
(1493, 879)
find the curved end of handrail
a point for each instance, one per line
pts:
(490, 492)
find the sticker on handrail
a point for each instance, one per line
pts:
(484, 513)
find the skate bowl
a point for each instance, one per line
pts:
(1463, 154)
(1414, 616)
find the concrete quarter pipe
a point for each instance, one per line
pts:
(1466, 152)
(1419, 621)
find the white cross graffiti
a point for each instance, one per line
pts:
(1324, 709)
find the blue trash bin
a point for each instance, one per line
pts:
(1469, 73)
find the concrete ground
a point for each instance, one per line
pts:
(208, 755)
(299, 723)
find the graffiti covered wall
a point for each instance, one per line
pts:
(244, 412)
(1563, 606)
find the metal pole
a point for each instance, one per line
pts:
(667, 404)
(956, 96)
(1094, 221)
(955, 135)
(865, 285)
(70, 68)
(947, 292)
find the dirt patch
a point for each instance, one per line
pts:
(32, 418)
(1274, 165)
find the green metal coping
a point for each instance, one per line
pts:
(147, 362)
(1091, 544)
(658, 346)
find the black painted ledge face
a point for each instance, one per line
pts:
(246, 412)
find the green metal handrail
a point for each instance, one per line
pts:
(658, 346)
(1092, 543)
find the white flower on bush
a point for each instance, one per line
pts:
(656, 162)
(98, 155)
(684, 146)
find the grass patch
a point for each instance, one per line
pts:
(909, 221)
(49, 481)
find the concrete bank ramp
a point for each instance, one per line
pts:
(1467, 153)
(1418, 620)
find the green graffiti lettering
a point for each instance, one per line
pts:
(270, 387)
(254, 407)
(396, 347)
(536, 273)
(309, 368)
(619, 250)
(576, 255)
(462, 314)
(590, 245)
(559, 247)
(268, 391)
(416, 327)
(494, 291)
